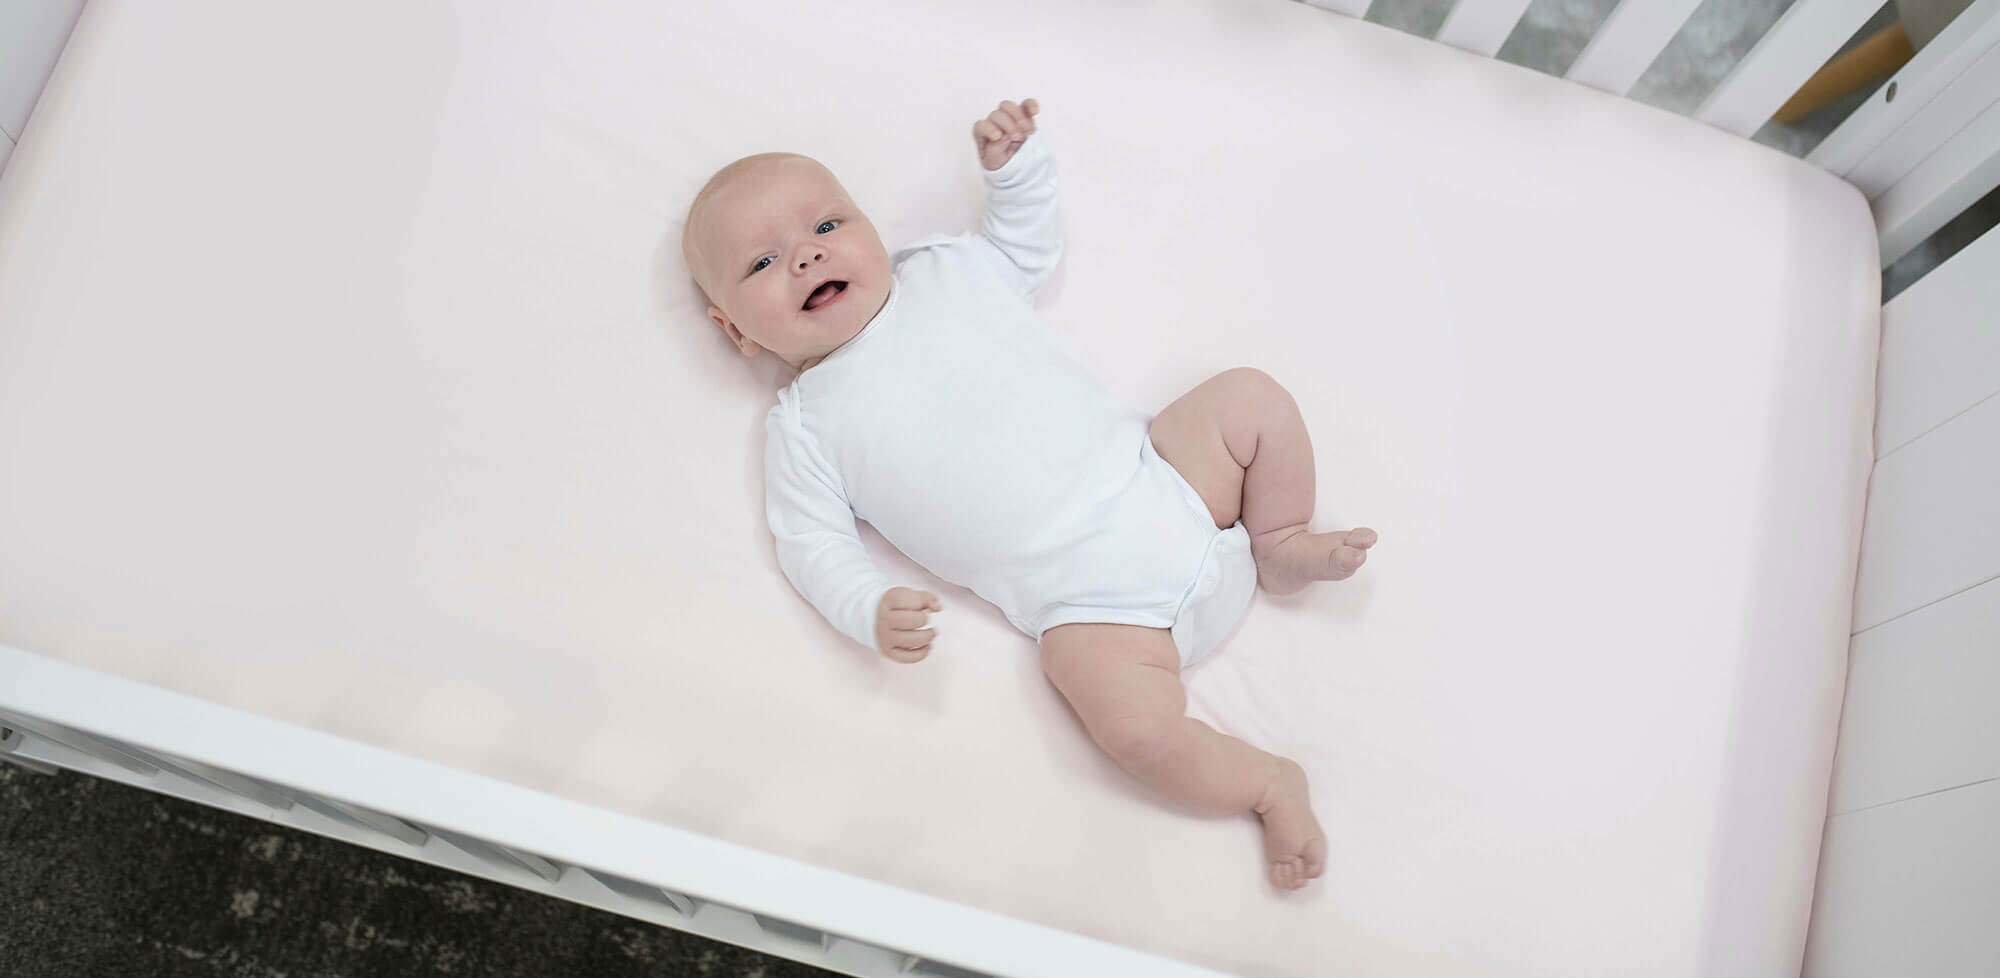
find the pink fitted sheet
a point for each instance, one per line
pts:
(348, 375)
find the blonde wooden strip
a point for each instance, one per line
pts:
(1481, 26)
(1788, 54)
(1882, 53)
(1625, 46)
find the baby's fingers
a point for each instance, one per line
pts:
(1007, 123)
(907, 597)
(911, 639)
(903, 619)
(986, 132)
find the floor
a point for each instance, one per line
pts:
(97, 878)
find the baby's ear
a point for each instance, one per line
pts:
(736, 337)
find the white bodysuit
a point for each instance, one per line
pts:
(971, 436)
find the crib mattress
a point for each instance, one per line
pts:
(349, 376)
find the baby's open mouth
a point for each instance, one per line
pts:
(827, 292)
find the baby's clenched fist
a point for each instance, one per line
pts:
(997, 136)
(899, 623)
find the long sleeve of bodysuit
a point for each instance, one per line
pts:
(1021, 233)
(818, 546)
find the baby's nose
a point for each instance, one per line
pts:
(812, 255)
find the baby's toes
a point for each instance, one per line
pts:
(1347, 560)
(1283, 872)
(1361, 537)
(1315, 858)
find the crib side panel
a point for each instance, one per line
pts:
(31, 39)
(1909, 876)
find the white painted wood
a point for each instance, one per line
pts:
(644, 893)
(1796, 46)
(1625, 46)
(1352, 8)
(1947, 182)
(6, 150)
(32, 33)
(1932, 527)
(1923, 703)
(29, 764)
(1947, 114)
(1911, 889)
(1893, 135)
(854, 955)
(1940, 346)
(365, 820)
(1481, 26)
(312, 763)
(500, 855)
(10, 741)
(270, 796)
(80, 742)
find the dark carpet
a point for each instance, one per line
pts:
(102, 879)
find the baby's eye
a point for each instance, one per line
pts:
(761, 262)
(822, 229)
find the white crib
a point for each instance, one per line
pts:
(1908, 876)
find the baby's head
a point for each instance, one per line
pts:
(763, 236)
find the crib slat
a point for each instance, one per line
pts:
(390, 826)
(268, 795)
(1883, 138)
(1481, 26)
(494, 853)
(83, 743)
(1795, 47)
(1944, 184)
(1352, 8)
(11, 739)
(859, 958)
(1625, 46)
(643, 892)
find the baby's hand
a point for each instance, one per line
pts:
(998, 135)
(899, 623)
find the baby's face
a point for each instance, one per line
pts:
(763, 244)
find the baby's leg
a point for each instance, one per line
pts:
(1239, 440)
(1124, 682)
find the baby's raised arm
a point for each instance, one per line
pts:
(1022, 228)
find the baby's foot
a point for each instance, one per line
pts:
(1294, 846)
(1307, 557)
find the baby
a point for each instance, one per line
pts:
(933, 403)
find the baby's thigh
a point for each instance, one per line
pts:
(1112, 672)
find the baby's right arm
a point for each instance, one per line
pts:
(821, 553)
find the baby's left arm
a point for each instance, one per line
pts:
(1022, 230)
